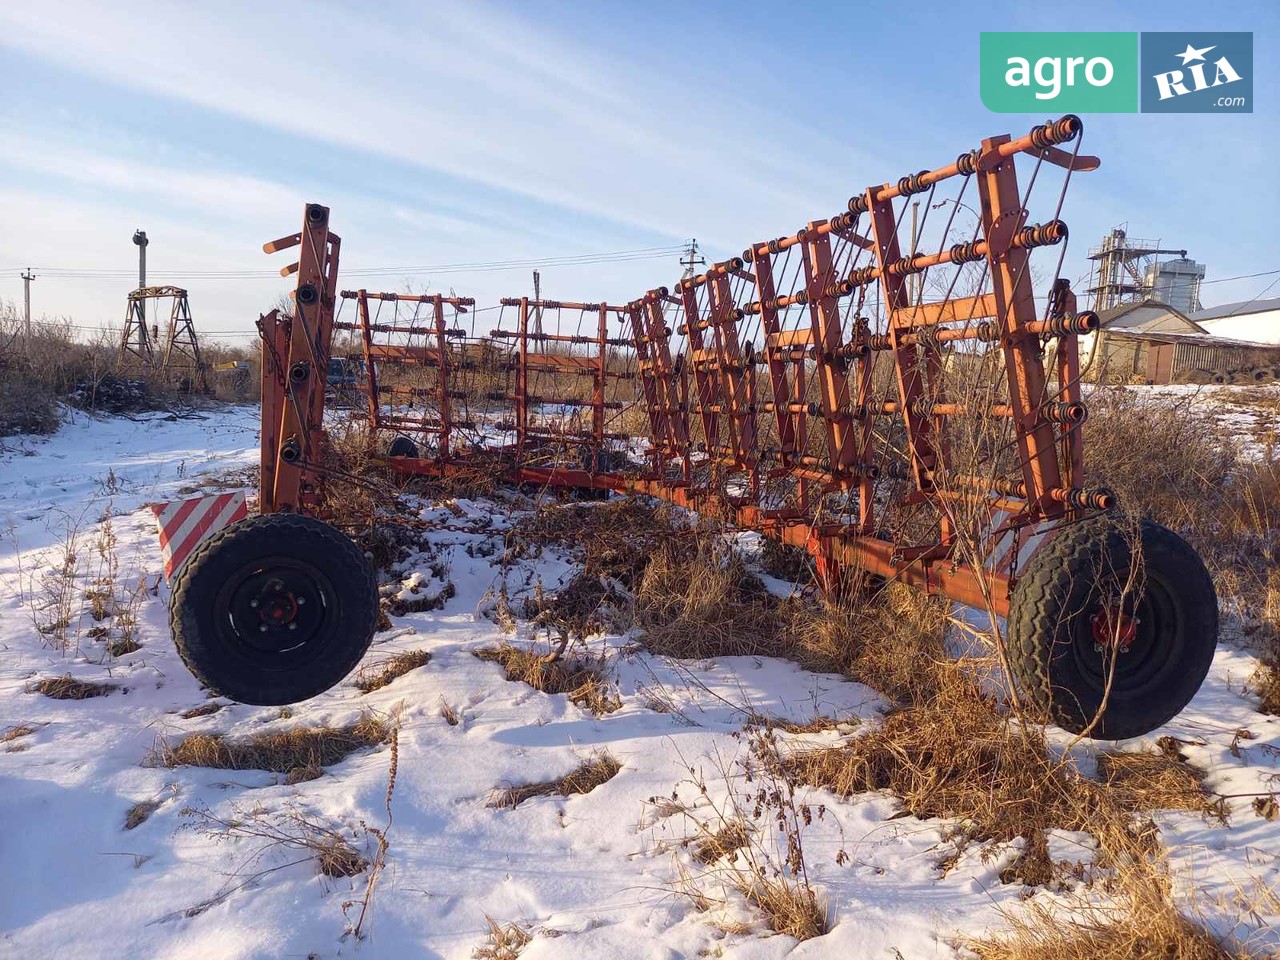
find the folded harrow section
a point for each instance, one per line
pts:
(895, 388)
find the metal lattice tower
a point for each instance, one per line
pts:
(1121, 265)
(180, 358)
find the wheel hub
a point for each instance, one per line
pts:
(1113, 629)
(277, 606)
(276, 609)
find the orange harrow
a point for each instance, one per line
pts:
(899, 404)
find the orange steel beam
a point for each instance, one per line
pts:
(310, 335)
(703, 381)
(274, 331)
(1003, 214)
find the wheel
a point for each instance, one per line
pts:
(274, 609)
(1072, 625)
(402, 446)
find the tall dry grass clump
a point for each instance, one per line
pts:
(283, 752)
(702, 601)
(1171, 461)
(1139, 921)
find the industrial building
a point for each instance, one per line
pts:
(1256, 320)
(1152, 342)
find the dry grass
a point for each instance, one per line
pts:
(597, 769)
(204, 710)
(956, 758)
(502, 942)
(704, 602)
(790, 906)
(16, 731)
(728, 840)
(1139, 923)
(615, 539)
(816, 725)
(581, 677)
(380, 674)
(67, 687)
(1154, 781)
(1266, 682)
(122, 646)
(140, 813)
(285, 752)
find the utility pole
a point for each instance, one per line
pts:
(26, 300)
(537, 301)
(691, 260)
(140, 238)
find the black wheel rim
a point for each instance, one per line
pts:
(277, 612)
(1150, 658)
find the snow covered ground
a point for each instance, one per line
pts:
(588, 876)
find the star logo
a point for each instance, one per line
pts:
(1191, 53)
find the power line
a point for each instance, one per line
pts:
(644, 253)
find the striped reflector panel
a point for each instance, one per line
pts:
(184, 523)
(1002, 544)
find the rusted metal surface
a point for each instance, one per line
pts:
(906, 406)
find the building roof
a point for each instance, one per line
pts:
(1180, 336)
(1240, 308)
(1144, 315)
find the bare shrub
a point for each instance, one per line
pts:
(588, 604)
(1164, 458)
(331, 850)
(278, 752)
(55, 600)
(752, 844)
(597, 769)
(67, 687)
(614, 540)
(378, 675)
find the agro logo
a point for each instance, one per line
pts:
(1178, 83)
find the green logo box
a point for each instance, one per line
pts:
(1059, 72)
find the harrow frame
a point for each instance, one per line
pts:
(759, 394)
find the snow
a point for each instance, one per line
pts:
(591, 875)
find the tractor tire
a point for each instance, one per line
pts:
(274, 609)
(1071, 628)
(402, 446)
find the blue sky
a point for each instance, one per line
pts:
(450, 133)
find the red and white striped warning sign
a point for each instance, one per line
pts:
(184, 523)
